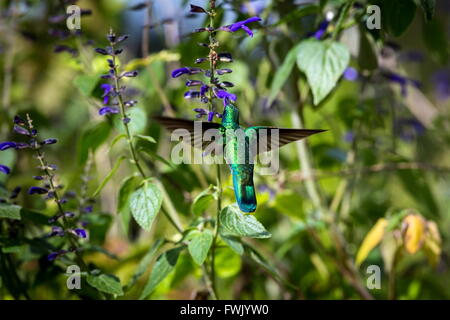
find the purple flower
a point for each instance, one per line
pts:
(37, 190)
(193, 83)
(56, 231)
(88, 209)
(349, 136)
(108, 110)
(192, 94)
(204, 89)
(323, 26)
(81, 233)
(179, 72)
(15, 192)
(409, 128)
(69, 214)
(6, 145)
(20, 130)
(202, 112)
(18, 120)
(441, 81)
(241, 25)
(130, 74)
(402, 81)
(223, 71)
(54, 255)
(225, 96)
(351, 74)
(107, 89)
(4, 169)
(49, 141)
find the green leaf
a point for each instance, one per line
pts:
(86, 83)
(245, 225)
(145, 204)
(398, 15)
(199, 244)
(91, 139)
(117, 139)
(105, 283)
(137, 123)
(428, 7)
(283, 73)
(155, 156)
(145, 262)
(305, 10)
(202, 201)
(164, 265)
(323, 62)
(233, 242)
(261, 260)
(127, 187)
(146, 138)
(109, 176)
(10, 211)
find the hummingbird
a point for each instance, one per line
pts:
(237, 151)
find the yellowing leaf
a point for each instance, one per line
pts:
(371, 240)
(413, 236)
(432, 244)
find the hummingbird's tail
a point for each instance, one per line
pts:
(244, 191)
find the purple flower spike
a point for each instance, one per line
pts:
(37, 190)
(6, 145)
(4, 169)
(351, 74)
(80, 233)
(108, 110)
(242, 25)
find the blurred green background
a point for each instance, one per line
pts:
(385, 151)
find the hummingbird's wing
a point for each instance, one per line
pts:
(285, 136)
(196, 136)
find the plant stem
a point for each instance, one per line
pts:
(212, 64)
(341, 18)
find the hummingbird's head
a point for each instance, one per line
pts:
(230, 114)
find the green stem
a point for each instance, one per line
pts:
(341, 19)
(131, 148)
(212, 64)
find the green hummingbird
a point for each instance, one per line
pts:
(238, 152)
